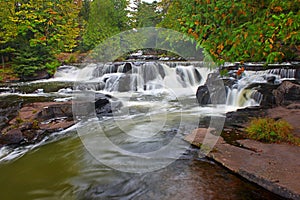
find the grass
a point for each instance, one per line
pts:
(269, 130)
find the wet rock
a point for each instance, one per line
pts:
(102, 104)
(214, 90)
(272, 166)
(127, 67)
(90, 86)
(42, 74)
(54, 111)
(203, 96)
(35, 119)
(286, 93)
(97, 104)
(14, 136)
(270, 79)
(297, 74)
(125, 83)
(106, 105)
(264, 93)
(229, 82)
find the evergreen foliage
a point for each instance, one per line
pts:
(35, 30)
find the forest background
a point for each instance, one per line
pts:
(36, 34)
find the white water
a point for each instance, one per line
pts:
(153, 78)
(156, 87)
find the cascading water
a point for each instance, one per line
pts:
(145, 76)
(283, 73)
(141, 77)
(158, 100)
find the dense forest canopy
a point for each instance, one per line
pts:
(264, 30)
(34, 32)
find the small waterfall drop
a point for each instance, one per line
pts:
(283, 73)
(124, 77)
(239, 96)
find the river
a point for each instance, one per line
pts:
(159, 107)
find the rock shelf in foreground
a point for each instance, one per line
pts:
(275, 167)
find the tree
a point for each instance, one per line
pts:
(106, 18)
(146, 14)
(41, 30)
(8, 29)
(244, 30)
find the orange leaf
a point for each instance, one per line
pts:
(195, 35)
(221, 47)
(277, 9)
(289, 22)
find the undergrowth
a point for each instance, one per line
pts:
(271, 131)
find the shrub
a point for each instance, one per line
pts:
(270, 131)
(224, 73)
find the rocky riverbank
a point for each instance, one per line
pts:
(276, 166)
(34, 121)
(272, 166)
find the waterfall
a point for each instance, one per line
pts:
(124, 77)
(142, 76)
(239, 96)
(283, 73)
(242, 97)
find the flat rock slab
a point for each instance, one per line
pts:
(275, 167)
(290, 113)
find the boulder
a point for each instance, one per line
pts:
(127, 68)
(297, 74)
(13, 136)
(287, 93)
(202, 95)
(214, 90)
(271, 79)
(42, 74)
(106, 104)
(264, 94)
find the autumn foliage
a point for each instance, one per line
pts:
(266, 30)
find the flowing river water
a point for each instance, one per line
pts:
(159, 106)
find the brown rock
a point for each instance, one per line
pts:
(287, 93)
(13, 136)
(56, 125)
(290, 113)
(275, 167)
(36, 119)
